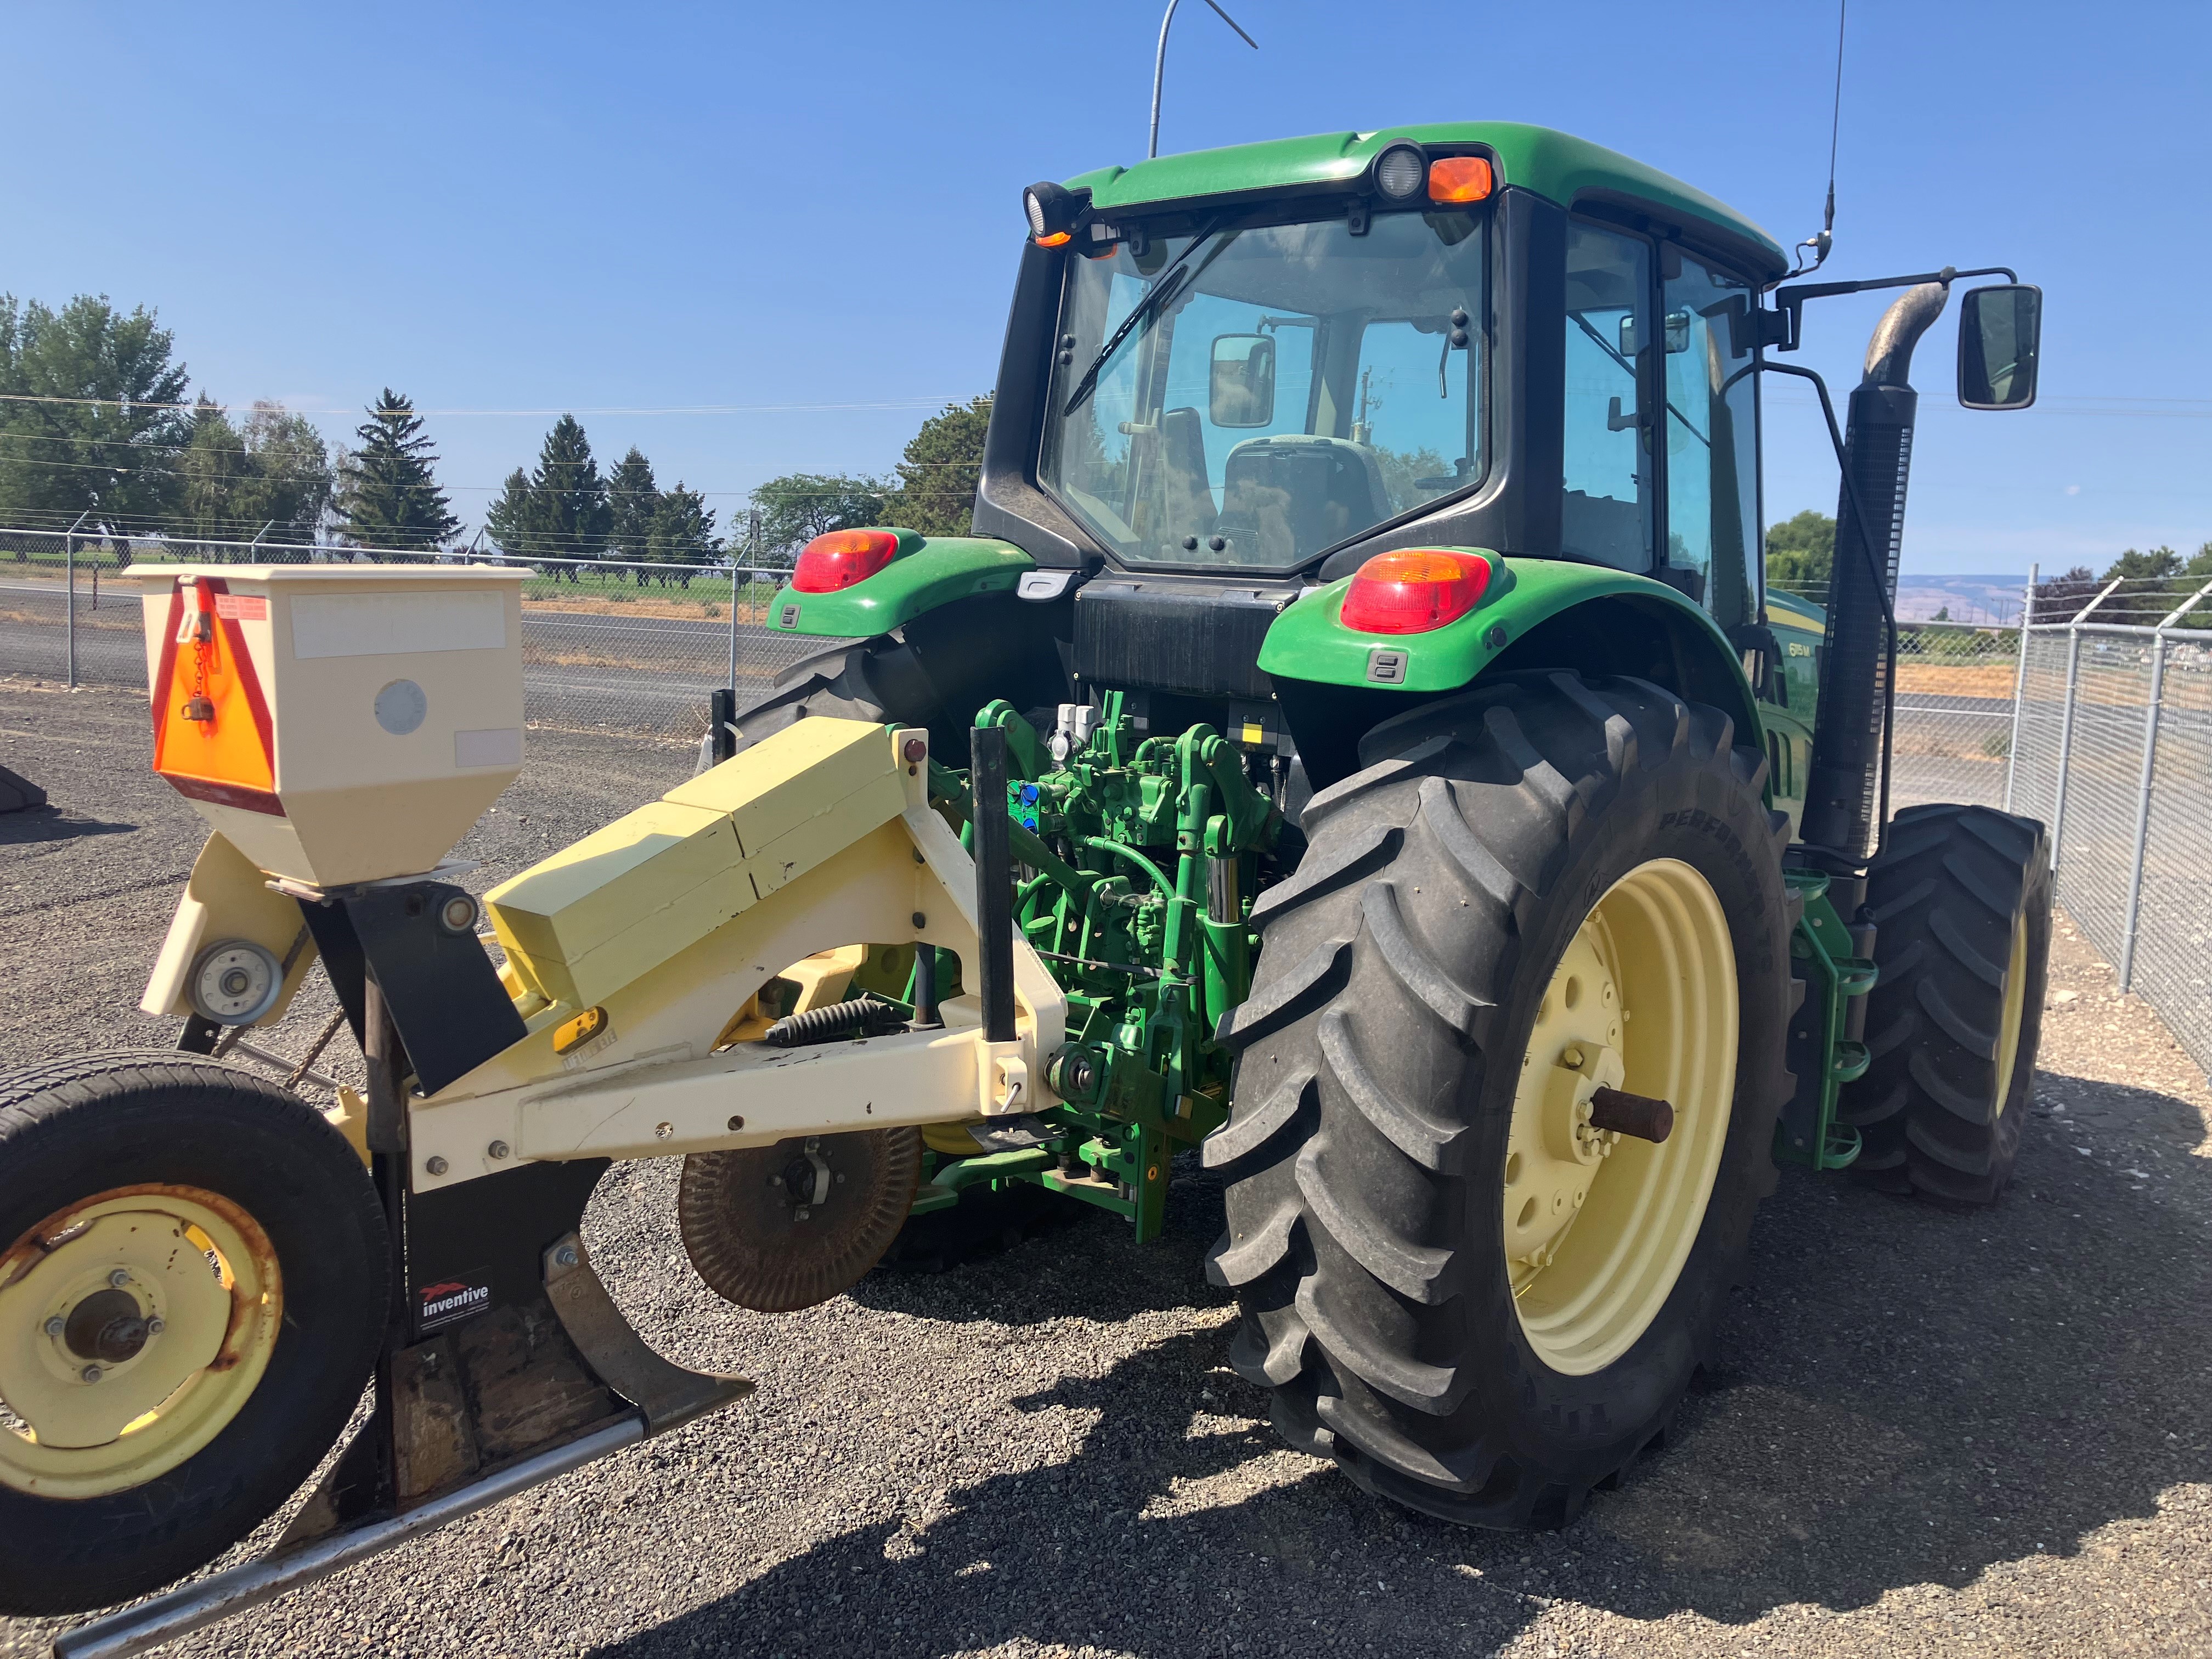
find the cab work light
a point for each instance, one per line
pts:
(1459, 179)
(1413, 590)
(1054, 211)
(842, 557)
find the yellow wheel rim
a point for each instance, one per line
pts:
(1598, 1224)
(134, 1325)
(2015, 1010)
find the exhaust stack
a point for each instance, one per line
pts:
(1847, 739)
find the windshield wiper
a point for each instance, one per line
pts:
(1163, 286)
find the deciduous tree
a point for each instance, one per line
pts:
(1801, 550)
(93, 422)
(939, 471)
(798, 507)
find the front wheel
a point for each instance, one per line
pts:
(191, 1293)
(1961, 903)
(1546, 895)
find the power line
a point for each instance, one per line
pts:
(885, 405)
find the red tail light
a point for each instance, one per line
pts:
(842, 557)
(1413, 590)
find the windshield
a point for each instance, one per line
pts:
(1285, 389)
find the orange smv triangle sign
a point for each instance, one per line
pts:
(212, 736)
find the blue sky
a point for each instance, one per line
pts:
(509, 208)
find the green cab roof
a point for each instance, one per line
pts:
(1553, 164)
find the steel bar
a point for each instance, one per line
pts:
(2019, 685)
(994, 885)
(2145, 781)
(209, 1601)
(69, 606)
(2143, 776)
(2065, 744)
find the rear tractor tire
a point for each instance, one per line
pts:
(193, 1284)
(1961, 902)
(1478, 1300)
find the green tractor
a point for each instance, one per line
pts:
(1355, 748)
(1433, 818)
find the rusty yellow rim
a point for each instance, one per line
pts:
(134, 1325)
(2015, 1012)
(1598, 1224)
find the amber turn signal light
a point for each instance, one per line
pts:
(836, 560)
(1459, 179)
(1413, 590)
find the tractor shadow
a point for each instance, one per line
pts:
(35, 825)
(1912, 1396)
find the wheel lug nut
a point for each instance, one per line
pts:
(56, 1325)
(90, 1373)
(155, 1327)
(118, 1278)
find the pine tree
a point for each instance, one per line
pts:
(632, 497)
(941, 469)
(682, 532)
(387, 493)
(512, 521)
(573, 515)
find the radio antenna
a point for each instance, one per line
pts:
(1820, 243)
(1160, 64)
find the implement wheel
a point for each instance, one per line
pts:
(1961, 901)
(193, 1289)
(1462, 1285)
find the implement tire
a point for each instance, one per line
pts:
(193, 1289)
(1961, 902)
(1404, 1081)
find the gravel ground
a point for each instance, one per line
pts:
(1935, 1433)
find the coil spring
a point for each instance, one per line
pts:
(861, 1017)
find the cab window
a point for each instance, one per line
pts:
(1606, 512)
(1712, 436)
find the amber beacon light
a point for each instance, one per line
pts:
(1413, 590)
(1459, 179)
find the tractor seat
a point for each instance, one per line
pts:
(1284, 498)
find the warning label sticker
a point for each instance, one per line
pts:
(241, 607)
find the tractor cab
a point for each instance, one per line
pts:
(1271, 362)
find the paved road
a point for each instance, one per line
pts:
(1928, 1433)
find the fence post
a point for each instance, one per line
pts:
(2066, 721)
(733, 627)
(2019, 684)
(68, 556)
(2143, 783)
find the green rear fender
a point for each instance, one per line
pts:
(926, 572)
(1534, 613)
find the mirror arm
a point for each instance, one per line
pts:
(1782, 326)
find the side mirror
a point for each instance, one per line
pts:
(1241, 381)
(2000, 328)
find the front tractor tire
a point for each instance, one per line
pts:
(193, 1284)
(1961, 903)
(1476, 1299)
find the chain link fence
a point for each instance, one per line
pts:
(607, 645)
(2113, 752)
(1956, 683)
(2096, 719)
